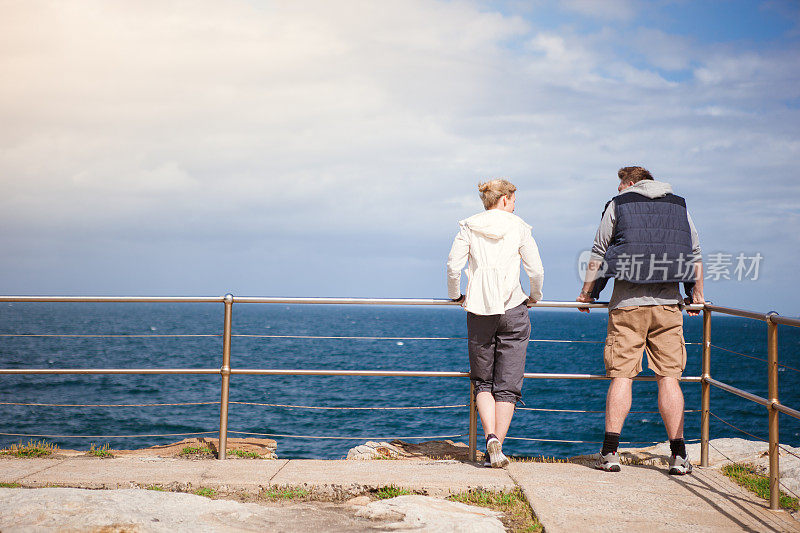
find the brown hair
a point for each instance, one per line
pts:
(634, 174)
(492, 190)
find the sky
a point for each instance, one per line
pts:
(316, 148)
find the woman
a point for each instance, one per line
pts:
(498, 325)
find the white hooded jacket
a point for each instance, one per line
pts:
(493, 242)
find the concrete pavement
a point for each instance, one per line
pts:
(574, 497)
(564, 496)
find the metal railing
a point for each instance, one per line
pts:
(772, 403)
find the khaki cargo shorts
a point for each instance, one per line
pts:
(659, 328)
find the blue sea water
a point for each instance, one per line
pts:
(741, 335)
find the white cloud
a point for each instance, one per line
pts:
(192, 120)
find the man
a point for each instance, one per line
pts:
(648, 243)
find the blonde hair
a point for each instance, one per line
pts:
(492, 190)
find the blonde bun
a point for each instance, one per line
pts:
(492, 190)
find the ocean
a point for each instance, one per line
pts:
(748, 337)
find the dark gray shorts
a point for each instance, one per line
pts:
(497, 347)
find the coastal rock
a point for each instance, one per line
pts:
(433, 515)
(265, 448)
(374, 450)
(134, 510)
(398, 449)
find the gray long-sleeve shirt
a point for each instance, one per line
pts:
(625, 292)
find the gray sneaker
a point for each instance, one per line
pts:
(679, 466)
(496, 456)
(608, 462)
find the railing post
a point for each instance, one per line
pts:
(473, 423)
(774, 437)
(705, 389)
(225, 371)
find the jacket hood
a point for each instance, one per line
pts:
(493, 223)
(650, 188)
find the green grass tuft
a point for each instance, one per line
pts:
(285, 494)
(196, 451)
(156, 488)
(32, 449)
(245, 455)
(517, 514)
(9, 485)
(748, 477)
(390, 491)
(102, 451)
(205, 491)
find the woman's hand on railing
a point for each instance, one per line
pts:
(459, 300)
(585, 298)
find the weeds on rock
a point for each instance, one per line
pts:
(156, 488)
(748, 476)
(390, 491)
(285, 494)
(9, 485)
(102, 452)
(244, 454)
(197, 452)
(32, 449)
(205, 491)
(517, 514)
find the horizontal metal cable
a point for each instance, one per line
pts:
(585, 411)
(93, 335)
(340, 337)
(136, 335)
(349, 337)
(789, 367)
(587, 441)
(350, 408)
(738, 353)
(736, 428)
(754, 357)
(107, 404)
(348, 438)
(107, 436)
(751, 435)
(790, 452)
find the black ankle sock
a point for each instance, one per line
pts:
(610, 443)
(677, 447)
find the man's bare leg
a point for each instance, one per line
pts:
(670, 405)
(618, 403)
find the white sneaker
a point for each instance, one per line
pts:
(679, 466)
(608, 462)
(496, 456)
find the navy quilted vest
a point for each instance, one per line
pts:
(652, 240)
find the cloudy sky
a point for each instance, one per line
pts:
(329, 148)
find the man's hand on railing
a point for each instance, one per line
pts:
(530, 302)
(696, 299)
(584, 297)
